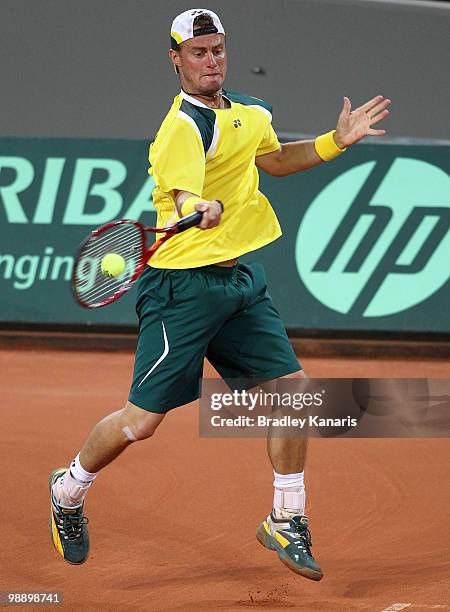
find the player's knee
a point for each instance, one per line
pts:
(298, 374)
(272, 386)
(139, 424)
(142, 430)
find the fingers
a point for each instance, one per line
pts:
(212, 213)
(204, 208)
(354, 125)
(379, 117)
(376, 132)
(371, 104)
(377, 114)
(346, 107)
(378, 108)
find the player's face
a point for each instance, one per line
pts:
(202, 63)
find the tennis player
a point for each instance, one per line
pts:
(196, 300)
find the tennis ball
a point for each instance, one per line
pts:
(112, 264)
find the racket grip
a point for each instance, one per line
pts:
(190, 221)
(193, 219)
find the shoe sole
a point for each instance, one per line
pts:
(269, 542)
(58, 472)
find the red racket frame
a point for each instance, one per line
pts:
(183, 224)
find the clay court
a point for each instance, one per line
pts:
(172, 521)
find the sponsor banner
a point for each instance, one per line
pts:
(52, 194)
(365, 246)
(327, 408)
(366, 242)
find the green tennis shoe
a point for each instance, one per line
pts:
(68, 528)
(292, 542)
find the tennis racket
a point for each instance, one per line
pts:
(126, 241)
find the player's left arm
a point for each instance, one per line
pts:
(351, 127)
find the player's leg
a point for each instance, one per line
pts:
(179, 311)
(115, 432)
(107, 440)
(286, 527)
(69, 486)
(287, 451)
(254, 345)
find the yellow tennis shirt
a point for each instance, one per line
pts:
(211, 153)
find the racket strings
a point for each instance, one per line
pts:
(91, 285)
(118, 239)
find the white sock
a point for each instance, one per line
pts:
(70, 490)
(289, 495)
(79, 473)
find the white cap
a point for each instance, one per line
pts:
(183, 26)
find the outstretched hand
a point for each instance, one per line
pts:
(354, 125)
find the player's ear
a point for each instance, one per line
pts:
(174, 57)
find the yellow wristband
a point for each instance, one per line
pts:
(326, 147)
(188, 205)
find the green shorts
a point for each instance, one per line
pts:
(223, 314)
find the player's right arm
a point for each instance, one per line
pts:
(211, 209)
(178, 165)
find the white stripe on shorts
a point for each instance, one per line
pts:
(163, 356)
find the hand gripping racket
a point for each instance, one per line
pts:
(91, 287)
